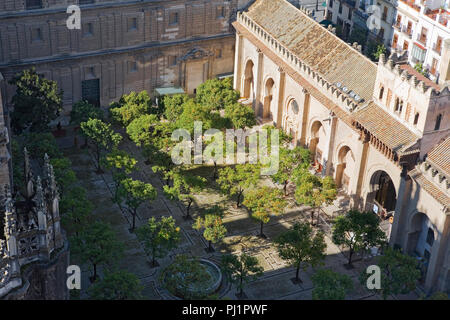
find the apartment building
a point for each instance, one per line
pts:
(420, 28)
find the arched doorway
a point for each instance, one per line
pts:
(268, 97)
(421, 237)
(344, 167)
(317, 133)
(248, 80)
(291, 121)
(383, 196)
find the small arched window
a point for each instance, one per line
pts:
(380, 97)
(438, 122)
(430, 237)
(398, 105)
(416, 118)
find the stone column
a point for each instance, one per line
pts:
(360, 170)
(281, 84)
(259, 83)
(400, 227)
(305, 115)
(328, 155)
(238, 62)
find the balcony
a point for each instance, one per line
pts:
(407, 31)
(422, 39)
(411, 4)
(437, 47)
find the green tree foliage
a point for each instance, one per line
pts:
(37, 102)
(173, 106)
(64, 175)
(264, 202)
(233, 181)
(217, 94)
(162, 163)
(135, 193)
(75, 210)
(214, 230)
(289, 161)
(102, 136)
(82, 111)
(313, 191)
(357, 230)
(399, 273)
(183, 275)
(195, 112)
(141, 129)
(380, 49)
(419, 68)
(159, 237)
(301, 247)
(131, 106)
(330, 285)
(97, 244)
(121, 164)
(240, 116)
(185, 185)
(241, 269)
(118, 285)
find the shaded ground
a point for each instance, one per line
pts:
(242, 234)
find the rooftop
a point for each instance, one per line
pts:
(429, 187)
(320, 49)
(439, 156)
(390, 131)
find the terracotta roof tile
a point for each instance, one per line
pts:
(429, 187)
(439, 156)
(391, 132)
(328, 55)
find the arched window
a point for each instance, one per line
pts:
(438, 122)
(416, 118)
(430, 237)
(381, 93)
(398, 105)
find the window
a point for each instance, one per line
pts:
(409, 28)
(173, 18)
(437, 125)
(33, 4)
(395, 41)
(133, 24)
(172, 61)
(88, 29)
(430, 237)
(381, 33)
(385, 13)
(218, 53)
(132, 66)
(330, 3)
(398, 21)
(380, 97)
(416, 118)
(434, 66)
(398, 105)
(423, 36)
(340, 8)
(220, 12)
(438, 45)
(350, 14)
(405, 45)
(36, 34)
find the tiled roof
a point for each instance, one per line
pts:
(439, 156)
(391, 132)
(429, 187)
(325, 53)
(420, 76)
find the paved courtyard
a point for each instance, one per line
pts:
(241, 237)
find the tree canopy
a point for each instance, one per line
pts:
(118, 285)
(357, 230)
(217, 94)
(235, 180)
(158, 237)
(241, 269)
(37, 102)
(301, 247)
(130, 107)
(330, 285)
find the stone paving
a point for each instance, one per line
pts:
(242, 234)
